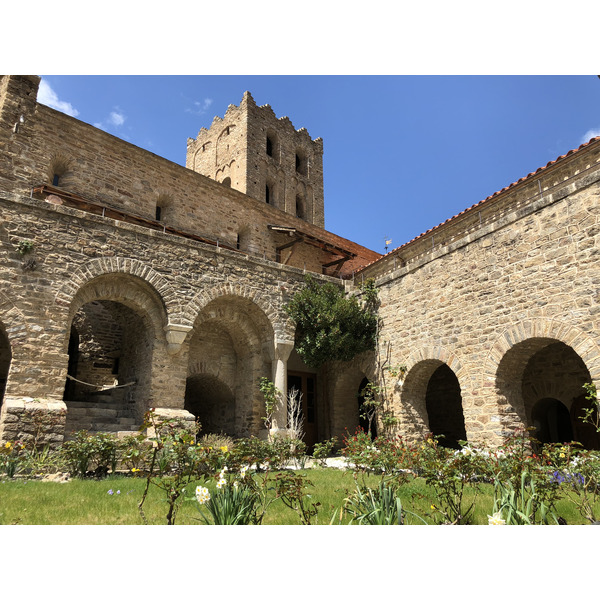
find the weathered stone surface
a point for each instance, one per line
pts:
(111, 307)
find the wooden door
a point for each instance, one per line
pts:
(306, 384)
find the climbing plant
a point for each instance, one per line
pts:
(331, 325)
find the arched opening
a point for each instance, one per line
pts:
(444, 407)
(5, 358)
(541, 380)
(226, 361)
(212, 402)
(301, 162)
(366, 413)
(432, 402)
(227, 182)
(552, 422)
(110, 359)
(268, 193)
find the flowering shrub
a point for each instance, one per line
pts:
(450, 472)
(11, 456)
(86, 450)
(383, 455)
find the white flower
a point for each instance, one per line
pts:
(202, 495)
(221, 483)
(243, 471)
(496, 519)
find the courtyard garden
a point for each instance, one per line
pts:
(178, 476)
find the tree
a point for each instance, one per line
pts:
(331, 325)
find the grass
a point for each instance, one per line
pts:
(88, 502)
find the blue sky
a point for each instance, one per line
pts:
(401, 153)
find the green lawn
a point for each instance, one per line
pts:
(88, 502)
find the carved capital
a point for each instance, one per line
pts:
(176, 335)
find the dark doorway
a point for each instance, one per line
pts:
(306, 384)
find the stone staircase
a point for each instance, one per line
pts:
(101, 412)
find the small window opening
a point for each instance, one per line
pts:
(227, 181)
(115, 369)
(267, 194)
(158, 213)
(299, 207)
(301, 164)
(55, 179)
(238, 242)
(269, 146)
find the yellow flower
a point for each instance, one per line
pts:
(223, 448)
(562, 455)
(8, 445)
(134, 470)
(433, 507)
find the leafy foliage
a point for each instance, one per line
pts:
(331, 325)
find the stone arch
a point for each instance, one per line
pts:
(518, 368)
(229, 349)
(346, 381)
(155, 284)
(431, 396)
(282, 326)
(115, 324)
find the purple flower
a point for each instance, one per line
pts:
(118, 491)
(110, 492)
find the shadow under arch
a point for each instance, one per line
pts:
(116, 323)
(230, 348)
(432, 402)
(539, 384)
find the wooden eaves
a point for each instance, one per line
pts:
(306, 238)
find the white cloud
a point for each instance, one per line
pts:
(589, 134)
(116, 118)
(46, 95)
(200, 107)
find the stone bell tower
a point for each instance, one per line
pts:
(253, 151)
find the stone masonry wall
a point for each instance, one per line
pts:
(485, 303)
(82, 258)
(106, 170)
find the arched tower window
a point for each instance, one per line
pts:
(268, 193)
(301, 162)
(269, 146)
(227, 181)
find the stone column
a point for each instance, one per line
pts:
(283, 349)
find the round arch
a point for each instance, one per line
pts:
(432, 372)
(518, 368)
(275, 321)
(156, 285)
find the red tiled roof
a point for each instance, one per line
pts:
(494, 195)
